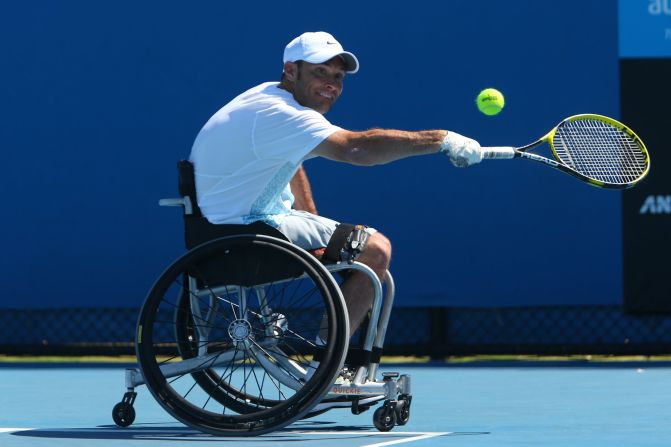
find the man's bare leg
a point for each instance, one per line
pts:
(357, 289)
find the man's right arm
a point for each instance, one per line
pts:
(380, 146)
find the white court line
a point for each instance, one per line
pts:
(411, 439)
(414, 435)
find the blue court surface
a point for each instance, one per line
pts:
(479, 404)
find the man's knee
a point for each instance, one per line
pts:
(377, 254)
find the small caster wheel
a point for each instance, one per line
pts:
(403, 415)
(384, 418)
(123, 414)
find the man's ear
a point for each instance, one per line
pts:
(291, 71)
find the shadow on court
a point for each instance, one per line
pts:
(313, 432)
(166, 432)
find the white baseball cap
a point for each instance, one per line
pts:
(319, 47)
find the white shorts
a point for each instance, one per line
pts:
(310, 231)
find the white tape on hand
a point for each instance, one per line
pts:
(463, 151)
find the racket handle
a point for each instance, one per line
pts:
(498, 152)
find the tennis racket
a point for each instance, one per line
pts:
(594, 148)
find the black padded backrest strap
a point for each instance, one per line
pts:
(187, 184)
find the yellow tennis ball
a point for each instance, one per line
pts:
(490, 101)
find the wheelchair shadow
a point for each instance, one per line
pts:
(299, 432)
(163, 432)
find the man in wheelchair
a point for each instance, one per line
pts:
(247, 332)
(248, 157)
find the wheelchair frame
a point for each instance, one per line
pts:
(359, 393)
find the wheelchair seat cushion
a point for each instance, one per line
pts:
(199, 230)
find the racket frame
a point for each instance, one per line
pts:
(521, 152)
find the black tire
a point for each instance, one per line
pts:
(241, 394)
(123, 414)
(384, 418)
(403, 416)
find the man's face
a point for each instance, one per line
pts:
(318, 86)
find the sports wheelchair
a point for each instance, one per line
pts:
(226, 338)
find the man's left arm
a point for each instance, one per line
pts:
(300, 188)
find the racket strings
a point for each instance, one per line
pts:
(600, 151)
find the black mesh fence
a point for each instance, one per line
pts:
(440, 332)
(435, 332)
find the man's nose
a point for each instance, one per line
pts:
(333, 85)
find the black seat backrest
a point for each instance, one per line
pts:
(186, 182)
(197, 228)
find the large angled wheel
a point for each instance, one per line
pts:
(226, 335)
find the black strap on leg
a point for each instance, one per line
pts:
(337, 242)
(346, 243)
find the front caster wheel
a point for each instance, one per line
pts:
(123, 414)
(384, 418)
(403, 415)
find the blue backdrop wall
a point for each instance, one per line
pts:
(100, 99)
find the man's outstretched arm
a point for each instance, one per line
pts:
(380, 146)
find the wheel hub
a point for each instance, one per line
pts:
(239, 330)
